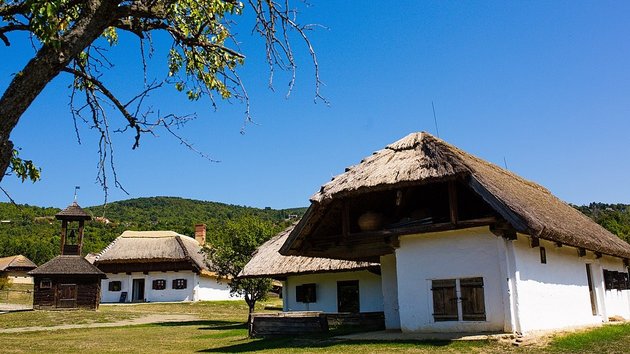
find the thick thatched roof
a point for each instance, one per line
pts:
(268, 262)
(421, 158)
(73, 212)
(16, 262)
(67, 265)
(152, 246)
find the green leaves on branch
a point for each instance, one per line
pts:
(24, 169)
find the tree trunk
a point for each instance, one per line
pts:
(46, 65)
(252, 305)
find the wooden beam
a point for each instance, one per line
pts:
(626, 262)
(452, 201)
(558, 244)
(503, 229)
(534, 242)
(514, 219)
(581, 252)
(345, 220)
(64, 232)
(598, 255)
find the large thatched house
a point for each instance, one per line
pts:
(465, 245)
(157, 266)
(318, 284)
(15, 268)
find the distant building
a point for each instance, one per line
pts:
(318, 284)
(159, 266)
(16, 268)
(68, 281)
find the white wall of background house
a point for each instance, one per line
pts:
(370, 294)
(19, 277)
(459, 254)
(150, 295)
(210, 288)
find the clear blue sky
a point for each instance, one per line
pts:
(545, 85)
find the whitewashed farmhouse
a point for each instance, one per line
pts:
(464, 245)
(318, 284)
(159, 266)
(16, 268)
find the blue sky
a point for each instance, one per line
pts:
(545, 85)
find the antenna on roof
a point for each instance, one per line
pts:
(505, 162)
(437, 131)
(75, 192)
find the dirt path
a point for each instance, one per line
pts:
(154, 318)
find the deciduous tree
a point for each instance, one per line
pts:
(69, 35)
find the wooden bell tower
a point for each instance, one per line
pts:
(72, 224)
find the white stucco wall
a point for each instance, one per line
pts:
(389, 281)
(447, 255)
(370, 294)
(19, 277)
(211, 289)
(616, 302)
(555, 294)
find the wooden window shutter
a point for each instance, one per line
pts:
(473, 306)
(444, 300)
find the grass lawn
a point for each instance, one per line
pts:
(220, 329)
(20, 294)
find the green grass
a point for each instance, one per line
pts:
(220, 328)
(19, 294)
(613, 338)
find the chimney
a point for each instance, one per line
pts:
(200, 234)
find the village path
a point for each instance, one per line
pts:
(153, 318)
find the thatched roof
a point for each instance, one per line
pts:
(421, 158)
(152, 246)
(67, 265)
(268, 262)
(13, 262)
(73, 212)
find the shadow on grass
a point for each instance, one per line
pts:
(205, 325)
(321, 342)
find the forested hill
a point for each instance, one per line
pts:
(34, 232)
(614, 217)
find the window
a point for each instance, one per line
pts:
(179, 283)
(444, 300)
(543, 255)
(616, 280)
(114, 286)
(160, 284)
(45, 284)
(446, 303)
(306, 293)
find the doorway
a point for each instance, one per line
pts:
(67, 296)
(348, 296)
(137, 291)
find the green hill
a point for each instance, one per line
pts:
(34, 232)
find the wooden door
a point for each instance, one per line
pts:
(67, 296)
(137, 290)
(348, 296)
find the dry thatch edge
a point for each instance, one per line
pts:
(268, 262)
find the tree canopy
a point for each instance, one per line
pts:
(69, 37)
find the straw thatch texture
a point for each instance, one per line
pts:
(152, 246)
(16, 262)
(421, 158)
(268, 262)
(73, 211)
(67, 265)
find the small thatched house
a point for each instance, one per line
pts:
(158, 266)
(317, 284)
(16, 268)
(465, 245)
